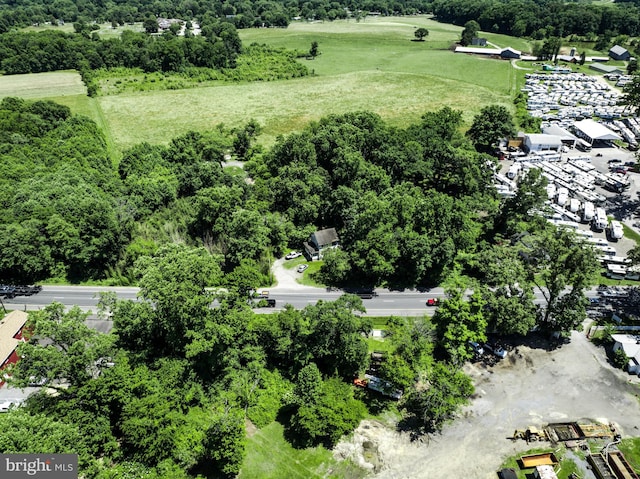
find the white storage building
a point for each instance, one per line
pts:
(542, 142)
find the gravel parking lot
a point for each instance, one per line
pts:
(532, 386)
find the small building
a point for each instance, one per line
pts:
(320, 241)
(545, 472)
(10, 337)
(541, 142)
(479, 42)
(510, 53)
(631, 346)
(619, 53)
(606, 69)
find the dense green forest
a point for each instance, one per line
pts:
(538, 18)
(213, 55)
(168, 391)
(542, 19)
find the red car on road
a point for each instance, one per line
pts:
(433, 302)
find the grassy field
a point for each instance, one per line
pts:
(372, 65)
(270, 456)
(51, 85)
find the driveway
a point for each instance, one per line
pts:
(286, 279)
(532, 386)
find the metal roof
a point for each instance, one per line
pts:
(595, 130)
(618, 50)
(543, 139)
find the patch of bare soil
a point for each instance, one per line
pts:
(532, 386)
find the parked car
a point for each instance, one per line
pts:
(293, 255)
(476, 348)
(594, 301)
(615, 161)
(302, 267)
(7, 291)
(500, 352)
(433, 302)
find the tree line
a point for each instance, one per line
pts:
(514, 17)
(542, 19)
(218, 47)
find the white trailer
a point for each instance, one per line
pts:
(563, 196)
(551, 191)
(574, 205)
(588, 211)
(514, 169)
(615, 230)
(600, 220)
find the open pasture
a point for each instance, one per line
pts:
(49, 85)
(371, 65)
(374, 65)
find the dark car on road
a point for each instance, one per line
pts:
(8, 291)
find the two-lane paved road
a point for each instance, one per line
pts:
(386, 303)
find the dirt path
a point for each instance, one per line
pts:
(531, 387)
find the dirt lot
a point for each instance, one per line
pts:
(532, 386)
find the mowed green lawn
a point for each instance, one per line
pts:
(270, 456)
(374, 65)
(48, 85)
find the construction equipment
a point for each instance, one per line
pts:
(531, 434)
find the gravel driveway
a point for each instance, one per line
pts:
(530, 387)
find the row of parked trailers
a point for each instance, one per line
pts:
(570, 97)
(564, 99)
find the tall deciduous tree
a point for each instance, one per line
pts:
(313, 51)
(172, 283)
(325, 417)
(446, 389)
(490, 125)
(471, 29)
(336, 340)
(61, 349)
(561, 267)
(631, 94)
(459, 321)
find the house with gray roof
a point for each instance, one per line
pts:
(320, 241)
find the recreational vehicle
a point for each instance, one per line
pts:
(563, 196)
(599, 222)
(588, 211)
(615, 230)
(574, 205)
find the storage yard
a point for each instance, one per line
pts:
(592, 182)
